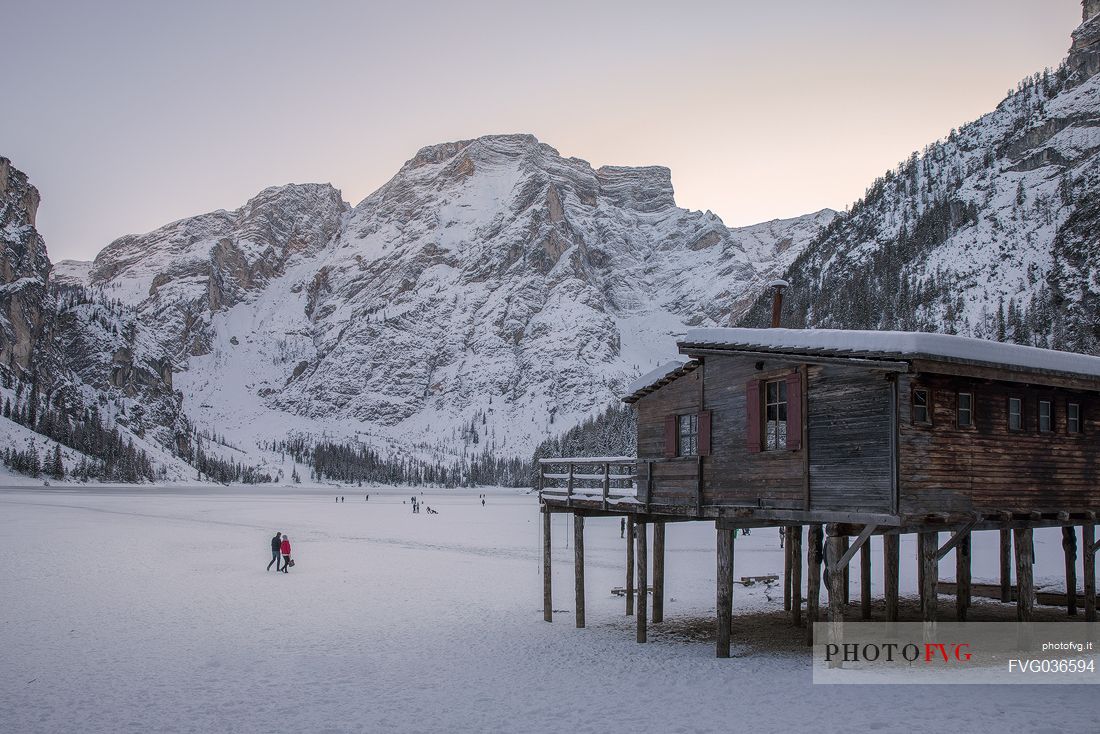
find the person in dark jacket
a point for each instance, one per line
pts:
(284, 548)
(276, 544)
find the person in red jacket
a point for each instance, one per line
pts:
(284, 548)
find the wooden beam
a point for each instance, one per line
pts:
(724, 590)
(864, 535)
(785, 535)
(834, 550)
(1025, 587)
(1088, 535)
(1006, 565)
(578, 567)
(928, 544)
(547, 596)
(845, 567)
(865, 581)
(629, 565)
(957, 536)
(962, 575)
(891, 545)
(643, 580)
(813, 580)
(1069, 547)
(658, 572)
(795, 543)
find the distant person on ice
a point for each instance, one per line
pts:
(276, 544)
(284, 548)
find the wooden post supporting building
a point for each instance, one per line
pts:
(1088, 544)
(547, 597)
(788, 551)
(630, 565)
(1025, 588)
(658, 572)
(794, 541)
(865, 581)
(813, 580)
(846, 583)
(928, 544)
(891, 546)
(725, 590)
(578, 566)
(1006, 565)
(643, 581)
(1069, 545)
(962, 577)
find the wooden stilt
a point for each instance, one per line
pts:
(920, 572)
(1025, 588)
(547, 596)
(785, 533)
(643, 580)
(578, 567)
(1088, 543)
(813, 579)
(658, 572)
(1069, 546)
(725, 590)
(630, 565)
(865, 581)
(962, 578)
(834, 550)
(794, 542)
(846, 586)
(929, 544)
(891, 546)
(1006, 565)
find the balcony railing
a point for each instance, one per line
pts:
(609, 480)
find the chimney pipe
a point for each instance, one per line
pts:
(777, 286)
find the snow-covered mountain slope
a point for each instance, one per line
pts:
(992, 232)
(24, 268)
(490, 290)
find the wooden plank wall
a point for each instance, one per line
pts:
(944, 467)
(850, 422)
(675, 481)
(731, 474)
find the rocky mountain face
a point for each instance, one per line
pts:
(992, 232)
(489, 290)
(24, 269)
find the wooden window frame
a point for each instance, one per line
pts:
(1049, 402)
(765, 435)
(1008, 415)
(1080, 421)
(927, 406)
(691, 417)
(958, 410)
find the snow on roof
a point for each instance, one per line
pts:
(893, 344)
(651, 378)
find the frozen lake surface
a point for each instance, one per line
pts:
(139, 610)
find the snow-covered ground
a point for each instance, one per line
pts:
(149, 610)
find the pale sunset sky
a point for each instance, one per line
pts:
(129, 115)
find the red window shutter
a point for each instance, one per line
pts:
(794, 411)
(704, 433)
(670, 436)
(752, 415)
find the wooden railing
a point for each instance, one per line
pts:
(606, 479)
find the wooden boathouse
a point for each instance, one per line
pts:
(850, 434)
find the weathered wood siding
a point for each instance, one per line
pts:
(732, 474)
(987, 467)
(851, 451)
(675, 481)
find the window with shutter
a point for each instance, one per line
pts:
(689, 435)
(775, 415)
(752, 415)
(704, 433)
(670, 436)
(794, 411)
